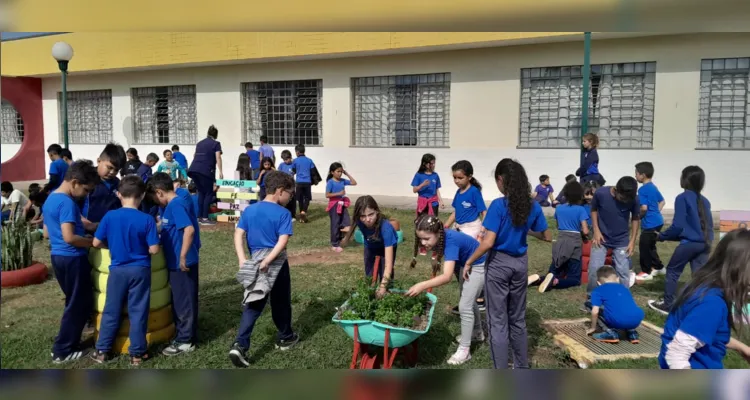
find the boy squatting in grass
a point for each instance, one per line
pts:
(614, 305)
(264, 229)
(131, 237)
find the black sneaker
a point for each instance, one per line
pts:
(101, 357)
(206, 222)
(659, 306)
(74, 356)
(455, 311)
(238, 355)
(286, 344)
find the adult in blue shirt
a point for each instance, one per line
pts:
(203, 172)
(254, 159)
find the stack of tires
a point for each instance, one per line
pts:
(160, 324)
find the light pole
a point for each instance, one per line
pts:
(586, 85)
(62, 52)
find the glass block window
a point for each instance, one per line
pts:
(11, 124)
(401, 111)
(287, 112)
(164, 115)
(724, 113)
(621, 105)
(89, 116)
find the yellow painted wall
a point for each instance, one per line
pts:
(118, 51)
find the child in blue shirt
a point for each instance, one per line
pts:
(561, 199)
(697, 332)
(145, 171)
(69, 251)
(652, 221)
(692, 226)
(508, 221)
(179, 157)
(426, 183)
(616, 214)
(179, 230)
(131, 237)
(614, 305)
(338, 203)
(543, 192)
(255, 159)
(287, 167)
(589, 169)
(57, 169)
(266, 167)
(171, 166)
(265, 228)
(589, 189)
(104, 197)
(194, 198)
(304, 168)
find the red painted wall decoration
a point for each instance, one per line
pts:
(25, 94)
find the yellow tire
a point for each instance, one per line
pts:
(100, 260)
(157, 320)
(121, 344)
(159, 299)
(158, 280)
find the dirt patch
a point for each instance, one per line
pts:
(323, 257)
(220, 226)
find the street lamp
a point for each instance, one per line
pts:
(62, 52)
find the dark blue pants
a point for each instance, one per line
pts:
(370, 262)
(694, 253)
(338, 222)
(649, 257)
(73, 273)
(204, 184)
(292, 207)
(571, 271)
(281, 310)
(185, 304)
(132, 286)
(304, 195)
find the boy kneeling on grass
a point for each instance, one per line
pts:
(268, 226)
(614, 305)
(132, 238)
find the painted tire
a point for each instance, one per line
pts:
(157, 320)
(32, 275)
(158, 280)
(121, 344)
(100, 260)
(159, 299)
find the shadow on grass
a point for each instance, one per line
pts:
(220, 309)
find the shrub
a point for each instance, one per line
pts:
(17, 246)
(393, 309)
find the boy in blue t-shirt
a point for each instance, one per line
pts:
(131, 237)
(69, 251)
(146, 171)
(104, 196)
(267, 226)
(652, 221)
(614, 305)
(179, 240)
(304, 168)
(179, 157)
(255, 158)
(543, 192)
(57, 169)
(286, 166)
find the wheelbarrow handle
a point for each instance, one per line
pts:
(375, 269)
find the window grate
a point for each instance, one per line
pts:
(89, 116)
(287, 112)
(165, 115)
(621, 108)
(11, 124)
(724, 112)
(401, 111)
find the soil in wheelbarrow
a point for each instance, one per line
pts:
(393, 309)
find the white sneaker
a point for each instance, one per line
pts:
(547, 281)
(461, 356)
(533, 278)
(642, 276)
(658, 272)
(632, 279)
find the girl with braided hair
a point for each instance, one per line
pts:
(452, 249)
(509, 220)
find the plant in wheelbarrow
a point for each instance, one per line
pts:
(18, 267)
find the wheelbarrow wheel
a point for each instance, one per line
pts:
(370, 362)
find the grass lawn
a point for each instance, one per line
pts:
(29, 317)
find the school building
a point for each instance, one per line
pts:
(378, 101)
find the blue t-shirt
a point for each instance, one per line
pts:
(102, 200)
(543, 192)
(194, 200)
(619, 308)
(649, 196)
(266, 151)
(468, 205)
(614, 217)
(511, 239)
(587, 207)
(128, 233)
(254, 158)
(185, 195)
(387, 237)
(58, 168)
(302, 166)
(181, 159)
(459, 247)
(175, 218)
(145, 172)
(264, 222)
(288, 168)
(569, 217)
(334, 186)
(704, 316)
(62, 209)
(204, 160)
(429, 190)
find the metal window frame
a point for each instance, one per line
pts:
(76, 120)
(576, 72)
(709, 67)
(394, 81)
(14, 123)
(183, 136)
(253, 134)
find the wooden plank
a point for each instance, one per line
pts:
(232, 206)
(236, 183)
(228, 218)
(728, 226)
(237, 196)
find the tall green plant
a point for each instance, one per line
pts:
(17, 246)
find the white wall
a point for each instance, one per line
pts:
(7, 151)
(484, 113)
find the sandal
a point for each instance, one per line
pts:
(136, 361)
(101, 357)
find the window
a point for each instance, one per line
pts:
(621, 105)
(401, 111)
(724, 114)
(11, 123)
(89, 116)
(288, 112)
(165, 115)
